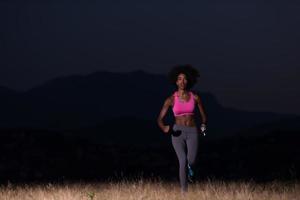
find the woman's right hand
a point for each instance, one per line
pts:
(166, 129)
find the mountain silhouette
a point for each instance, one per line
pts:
(80, 102)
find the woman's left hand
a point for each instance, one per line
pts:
(203, 129)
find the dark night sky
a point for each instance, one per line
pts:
(247, 51)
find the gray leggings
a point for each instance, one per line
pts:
(187, 140)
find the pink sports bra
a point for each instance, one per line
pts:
(183, 107)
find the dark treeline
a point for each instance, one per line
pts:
(38, 155)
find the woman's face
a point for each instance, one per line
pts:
(181, 81)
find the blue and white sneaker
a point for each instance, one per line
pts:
(190, 174)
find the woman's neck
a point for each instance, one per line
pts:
(182, 93)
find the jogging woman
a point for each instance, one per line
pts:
(184, 132)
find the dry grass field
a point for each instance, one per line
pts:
(142, 189)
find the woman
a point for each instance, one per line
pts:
(185, 131)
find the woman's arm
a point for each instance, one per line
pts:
(163, 112)
(201, 109)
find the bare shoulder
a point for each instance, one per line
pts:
(196, 96)
(169, 100)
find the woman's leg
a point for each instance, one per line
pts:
(179, 147)
(192, 146)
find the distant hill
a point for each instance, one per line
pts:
(281, 125)
(10, 106)
(4, 91)
(86, 102)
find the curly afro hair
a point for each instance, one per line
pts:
(190, 72)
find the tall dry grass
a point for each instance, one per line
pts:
(142, 189)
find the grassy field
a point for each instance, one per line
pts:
(142, 189)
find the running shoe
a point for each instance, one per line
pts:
(190, 174)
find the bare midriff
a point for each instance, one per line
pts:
(185, 120)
